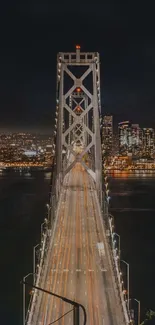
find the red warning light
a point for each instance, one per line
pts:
(78, 47)
(78, 90)
(78, 108)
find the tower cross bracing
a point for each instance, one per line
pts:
(78, 110)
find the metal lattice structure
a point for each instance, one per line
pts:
(78, 114)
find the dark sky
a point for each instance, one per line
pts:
(33, 31)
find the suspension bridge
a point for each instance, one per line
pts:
(78, 258)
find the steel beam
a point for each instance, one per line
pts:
(79, 108)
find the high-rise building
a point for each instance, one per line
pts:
(107, 134)
(125, 138)
(136, 139)
(147, 142)
(135, 134)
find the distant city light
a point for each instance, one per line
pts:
(30, 153)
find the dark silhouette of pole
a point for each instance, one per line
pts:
(76, 315)
(76, 305)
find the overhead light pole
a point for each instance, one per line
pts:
(138, 301)
(119, 243)
(34, 262)
(128, 282)
(24, 278)
(42, 226)
(75, 304)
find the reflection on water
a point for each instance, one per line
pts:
(132, 174)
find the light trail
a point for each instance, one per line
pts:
(75, 268)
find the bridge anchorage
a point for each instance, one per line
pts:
(77, 257)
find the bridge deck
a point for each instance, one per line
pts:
(78, 266)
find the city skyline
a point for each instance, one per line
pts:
(32, 37)
(79, 254)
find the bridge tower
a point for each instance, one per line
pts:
(78, 113)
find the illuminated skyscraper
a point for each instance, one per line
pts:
(148, 142)
(135, 134)
(107, 133)
(136, 139)
(125, 137)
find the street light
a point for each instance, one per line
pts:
(42, 226)
(128, 284)
(110, 223)
(24, 278)
(111, 216)
(75, 304)
(119, 243)
(138, 301)
(34, 262)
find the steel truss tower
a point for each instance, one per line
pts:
(78, 113)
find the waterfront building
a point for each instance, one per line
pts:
(148, 142)
(125, 138)
(107, 134)
(136, 140)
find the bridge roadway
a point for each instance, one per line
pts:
(75, 267)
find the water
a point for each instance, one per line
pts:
(133, 205)
(22, 209)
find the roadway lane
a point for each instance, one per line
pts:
(78, 266)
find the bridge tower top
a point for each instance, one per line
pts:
(78, 113)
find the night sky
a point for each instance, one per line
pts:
(33, 31)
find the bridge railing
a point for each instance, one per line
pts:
(38, 277)
(44, 246)
(108, 222)
(40, 268)
(116, 260)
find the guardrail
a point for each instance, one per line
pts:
(38, 277)
(52, 211)
(118, 273)
(112, 254)
(115, 258)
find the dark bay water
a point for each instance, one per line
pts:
(22, 209)
(133, 205)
